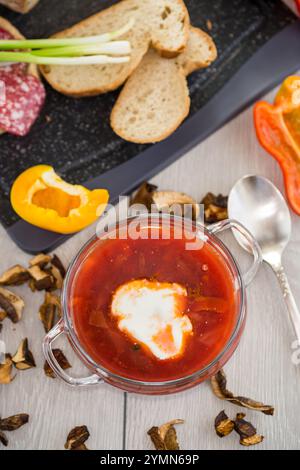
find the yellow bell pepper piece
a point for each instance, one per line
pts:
(42, 198)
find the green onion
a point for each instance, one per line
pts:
(101, 49)
(109, 48)
(29, 58)
(69, 51)
(9, 44)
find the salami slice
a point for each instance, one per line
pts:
(22, 96)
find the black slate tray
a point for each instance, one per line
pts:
(256, 41)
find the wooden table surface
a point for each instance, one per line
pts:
(260, 368)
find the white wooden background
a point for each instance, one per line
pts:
(261, 367)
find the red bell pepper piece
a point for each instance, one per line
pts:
(278, 130)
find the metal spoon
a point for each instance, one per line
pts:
(260, 207)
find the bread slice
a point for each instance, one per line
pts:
(155, 99)
(162, 23)
(22, 6)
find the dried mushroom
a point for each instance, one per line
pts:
(3, 315)
(215, 208)
(12, 304)
(6, 370)
(144, 195)
(56, 274)
(41, 280)
(56, 262)
(223, 425)
(14, 276)
(40, 260)
(77, 437)
(219, 384)
(49, 311)
(47, 273)
(246, 431)
(3, 439)
(62, 361)
(23, 359)
(165, 437)
(13, 422)
(166, 201)
(178, 203)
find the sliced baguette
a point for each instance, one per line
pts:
(21, 6)
(155, 99)
(162, 23)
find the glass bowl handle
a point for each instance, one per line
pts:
(53, 334)
(250, 242)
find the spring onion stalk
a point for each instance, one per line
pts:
(12, 57)
(110, 48)
(9, 44)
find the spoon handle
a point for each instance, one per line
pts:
(289, 300)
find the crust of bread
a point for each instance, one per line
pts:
(22, 6)
(128, 69)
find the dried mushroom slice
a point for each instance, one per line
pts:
(144, 195)
(14, 276)
(3, 315)
(156, 438)
(56, 262)
(56, 274)
(40, 260)
(49, 310)
(77, 437)
(177, 203)
(166, 201)
(13, 422)
(246, 431)
(3, 439)
(215, 208)
(165, 436)
(6, 370)
(23, 359)
(31, 285)
(12, 304)
(223, 425)
(47, 315)
(43, 280)
(62, 361)
(219, 387)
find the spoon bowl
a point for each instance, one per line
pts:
(259, 206)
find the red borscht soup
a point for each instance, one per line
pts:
(151, 310)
